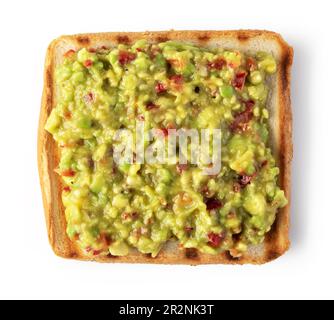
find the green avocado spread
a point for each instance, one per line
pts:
(113, 208)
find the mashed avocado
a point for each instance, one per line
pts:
(111, 208)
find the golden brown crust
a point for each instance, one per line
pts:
(277, 240)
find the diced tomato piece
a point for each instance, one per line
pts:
(69, 53)
(125, 57)
(96, 252)
(139, 50)
(239, 80)
(244, 179)
(251, 64)
(213, 203)
(177, 81)
(88, 63)
(215, 239)
(240, 122)
(177, 78)
(160, 87)
(181, 167)
(151, 106)
(105, 239)
(68, 173)
(89, 97)
(217, 64)
(163, 132)
(67, 189)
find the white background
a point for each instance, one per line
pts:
(28, 267)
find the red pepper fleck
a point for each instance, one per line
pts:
(244, 180)
(92, 50)
(215, 239)
(160, 87)
(130, 215)
(163, 132)
(141, 117)
(213, 203)
(67, 189)
(239, 80)
(68, 173)
(151, 106)
(88, 249)
(67, 115)
(104, 48)
(125, 57)
(125, 215)
(69, 53)
(251, 64)
(188, 229)
(264, 163)
(96, 252)
(89, 97)
(139, 50)
(181, 167)
(236, 187)
(135, 215)
(88, 63)
(217, 64)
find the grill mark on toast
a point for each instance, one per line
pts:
(191, 253)
(285, 63)
(242, 37)
(162, 38)
(73, 255)
(203, 37)
(48, 79)
(82, 40)
(123, 39)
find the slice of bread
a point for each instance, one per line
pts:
(248, 41)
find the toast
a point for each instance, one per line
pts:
(276, 241)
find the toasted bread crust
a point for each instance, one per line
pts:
(277, 240)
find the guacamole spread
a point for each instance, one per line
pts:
(112, 208)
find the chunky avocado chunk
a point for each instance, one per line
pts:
(112, 207)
